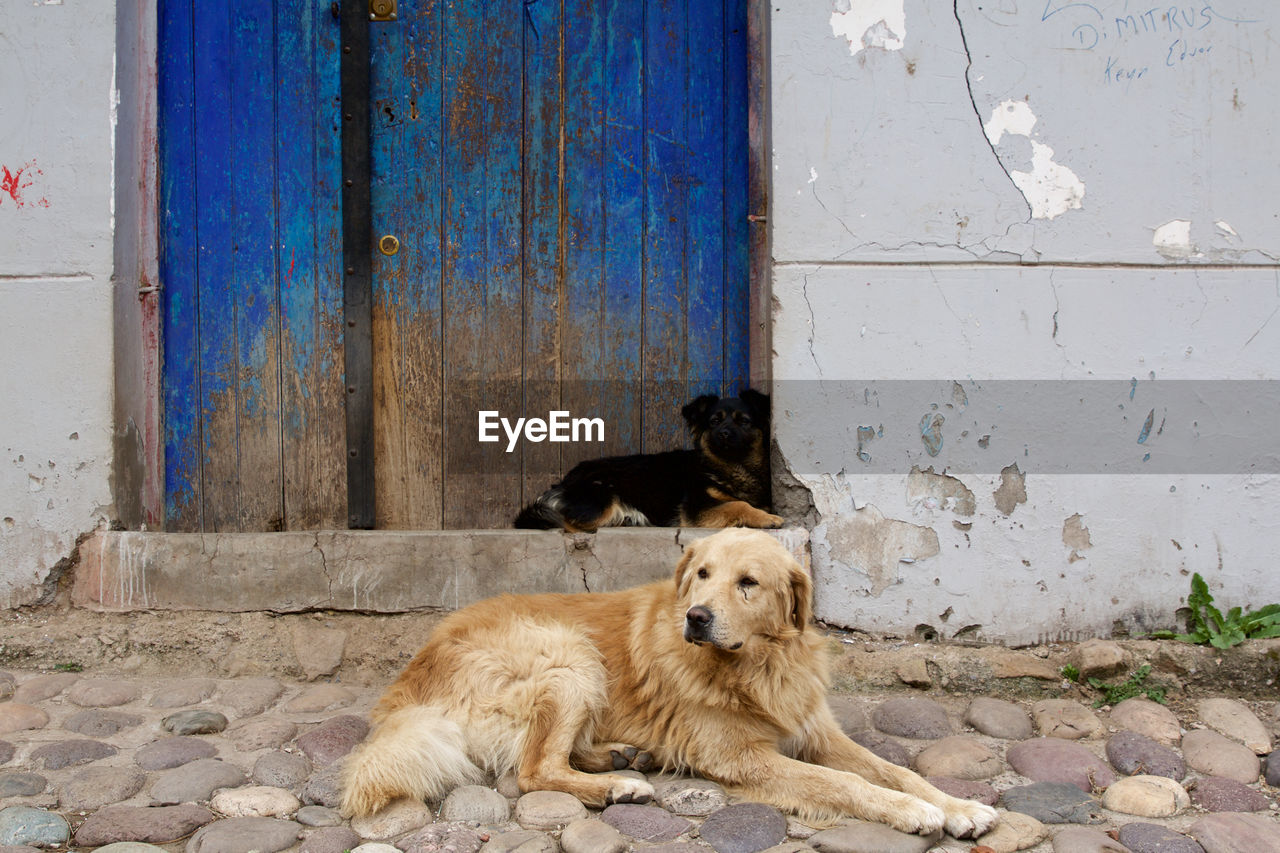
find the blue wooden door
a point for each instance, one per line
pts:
(566, 184)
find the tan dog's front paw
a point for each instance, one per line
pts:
(968, 819)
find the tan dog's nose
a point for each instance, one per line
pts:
(696, 622)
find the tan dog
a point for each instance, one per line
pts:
(717, 673)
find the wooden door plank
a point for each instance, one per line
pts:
(406, 195)
(705, 107)
(738, 284)
(178, 268)
(586, 333)
(308, 261)
(666, 221)
(215, 200)
(623, 141)
(543, 251)
(254, 287)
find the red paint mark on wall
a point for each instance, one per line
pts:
(13, 184)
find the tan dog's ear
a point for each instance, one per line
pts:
(682, 568)
(801, 597)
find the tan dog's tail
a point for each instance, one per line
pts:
(414, 752)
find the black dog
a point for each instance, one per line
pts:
(722, 482)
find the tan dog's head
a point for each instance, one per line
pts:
(738, 585)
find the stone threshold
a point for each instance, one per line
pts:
(381, 571)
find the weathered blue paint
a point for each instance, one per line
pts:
(180, 302)
(570, 199)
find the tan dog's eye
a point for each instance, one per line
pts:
(702, 574)
(748, 581)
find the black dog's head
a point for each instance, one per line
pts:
(730, 428)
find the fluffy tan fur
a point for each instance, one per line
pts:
(562, 687)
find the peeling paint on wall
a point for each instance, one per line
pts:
(870, 23)
(867, 541)
(1075, 536)
(1050, 188)
(929, 490)
(1173, 240)
(1012, 491)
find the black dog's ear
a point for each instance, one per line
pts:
(695, 412)
(758, 403)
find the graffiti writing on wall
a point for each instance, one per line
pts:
(1136, 43)
(14, 184)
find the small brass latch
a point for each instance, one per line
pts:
(389, 245)
(382, 10)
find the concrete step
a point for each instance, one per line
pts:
(381, 571)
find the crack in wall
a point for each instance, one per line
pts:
(813, 320)
(973, 101)
(324, 566)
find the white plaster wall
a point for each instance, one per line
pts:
(56, 133)
(924, 154)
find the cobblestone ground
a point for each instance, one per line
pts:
(218, 765)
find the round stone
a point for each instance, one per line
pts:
(261, 834)
(169, 752)
(130, 847)
(321, 697)
(1015, 831)
(1146, 796)
(181, 692)
(1229, 833)
(548, 810)
(998, 718)
(1062, 718)
(333, 839)
(884, 747)
(643, 823)
(194, 722)
(102, 693)
(1147, 718)
(318, 816)
(1216, 794)
(195, 781)
(912, 717)
(960, 757)
(16, 717)
(1082, 839)
(282, 769)
(70, 753)
(1271, 769)
(1132, 753)
(1234, 720)
(521, 841)
(965, 789)
(153, 825)
(248, 697)
(324, 787)
(475, 803)
(96, 723)
(592, 836)
(444, 836)
(1153, 838)
(401, 816)
(868, 837)
(1049, 759)
(261, 733)
(95, 787)
(1052, 802)
(6, 751)
(744, 828)
(1215, 755)
(18, 784)
(44, 687)
(691, 797)
(255, 801)
(333, 738)
(23, 825)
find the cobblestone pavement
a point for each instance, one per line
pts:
(218, 765)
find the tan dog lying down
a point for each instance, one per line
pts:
(716, 672)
